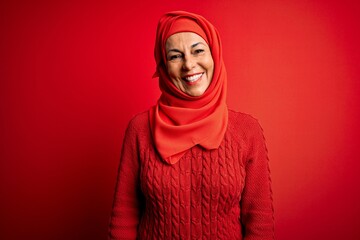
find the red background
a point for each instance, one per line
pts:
(74, 72)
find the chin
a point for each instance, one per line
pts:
(196, 93)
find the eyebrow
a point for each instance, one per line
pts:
(195, 44)
(177, 50)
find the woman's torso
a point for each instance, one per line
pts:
(199, 196)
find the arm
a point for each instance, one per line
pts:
(126, 212)
(257, 213)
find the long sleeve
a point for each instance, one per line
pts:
(257, 214)
(198, 197)
(127, 200)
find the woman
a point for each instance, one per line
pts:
(190, 168)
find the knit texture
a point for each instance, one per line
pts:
(223, 193)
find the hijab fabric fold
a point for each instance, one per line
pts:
(179, 121)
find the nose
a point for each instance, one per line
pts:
(189, 63)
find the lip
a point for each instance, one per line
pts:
(189, 75)
(192, 82)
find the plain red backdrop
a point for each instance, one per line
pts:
(72, 74)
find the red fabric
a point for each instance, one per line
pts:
(179, 121)
(224, 193)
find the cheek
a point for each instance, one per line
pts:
(209, 65)
(208, 62)
(172, 70)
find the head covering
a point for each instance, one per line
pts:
(179, 121)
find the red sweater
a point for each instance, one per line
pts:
(223, 193)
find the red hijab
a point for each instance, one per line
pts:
(179, 121)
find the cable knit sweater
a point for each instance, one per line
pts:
(223, 193)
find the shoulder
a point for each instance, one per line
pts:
(139, 120)
(139, 124)
(247, 130)
(243, 123)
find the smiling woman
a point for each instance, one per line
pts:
(190, 168)
(189, 62)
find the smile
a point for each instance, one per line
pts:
(193, 78)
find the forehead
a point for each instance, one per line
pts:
(185, 39)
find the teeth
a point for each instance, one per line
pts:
(193, 78)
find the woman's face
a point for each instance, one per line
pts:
(189, 62)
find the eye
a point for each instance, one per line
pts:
(198, 51)
(175, 57)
